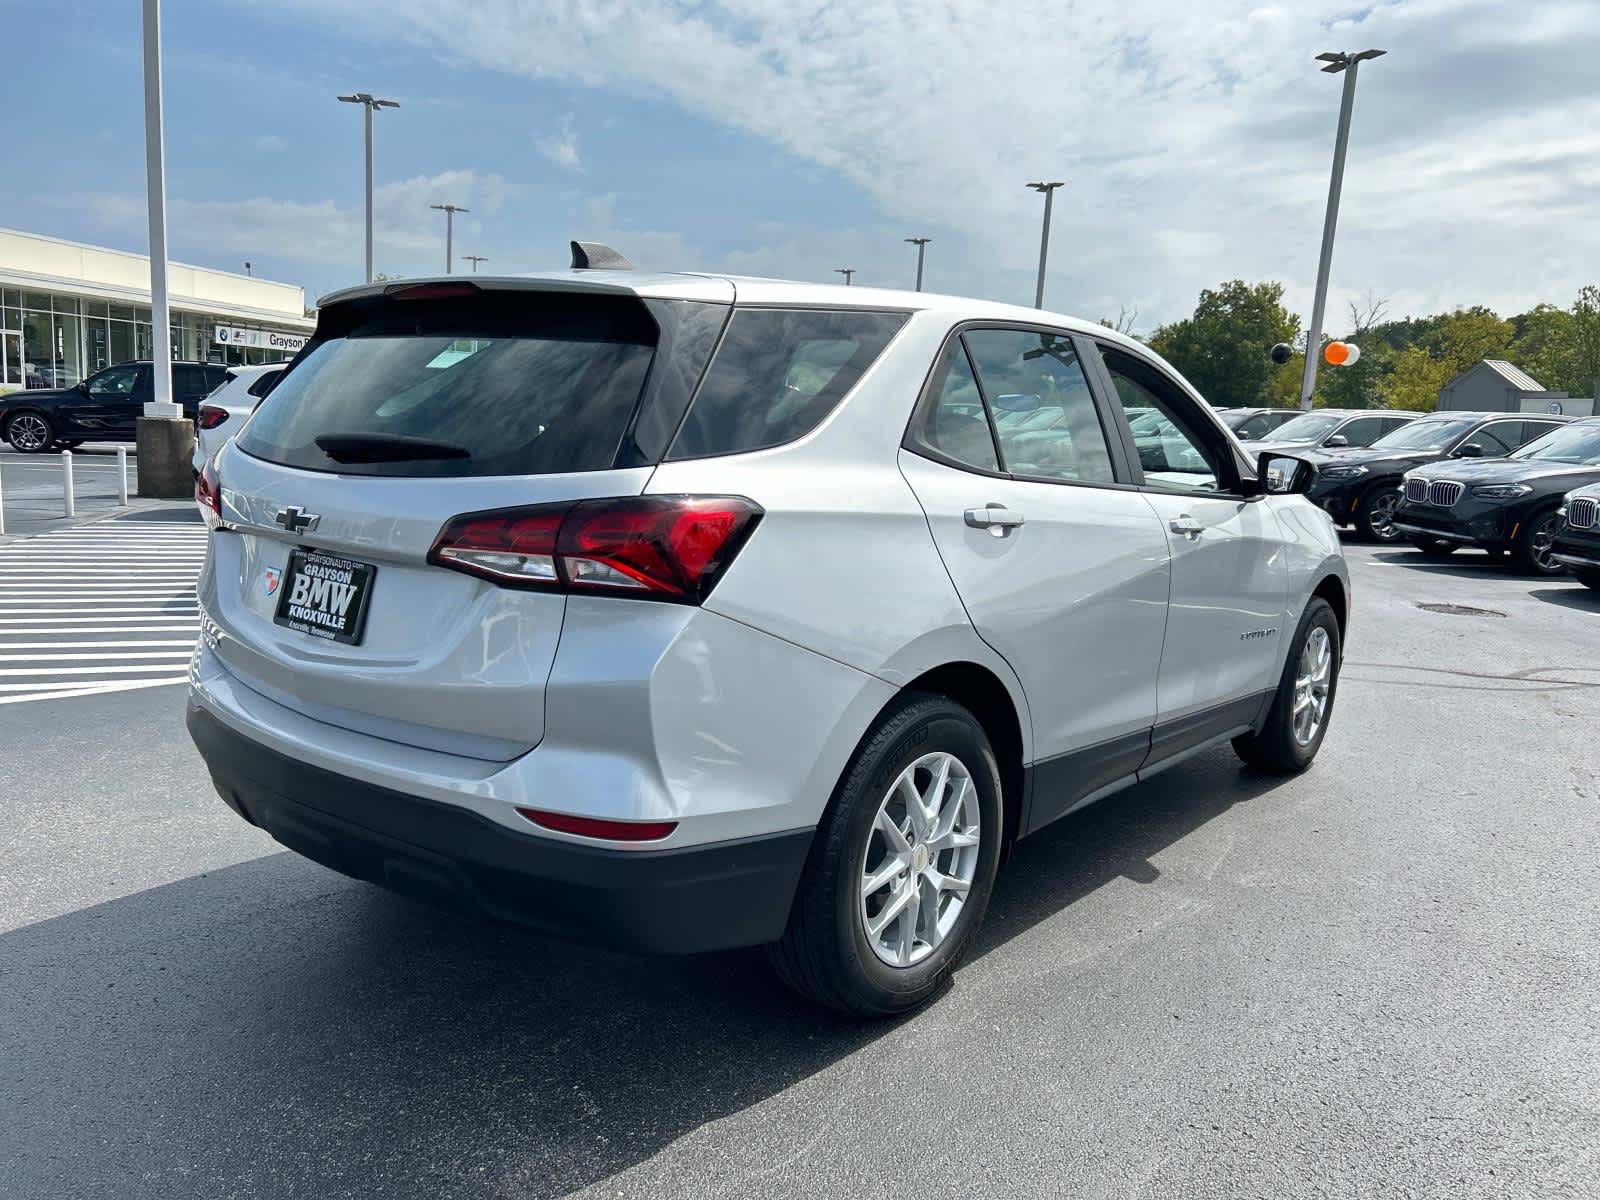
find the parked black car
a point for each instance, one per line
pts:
(1502, 504)
(103, 408)
(1362, 487)
(1331, 429)
(1577, 544)
(1253, 424)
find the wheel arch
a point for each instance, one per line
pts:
(1332, 589)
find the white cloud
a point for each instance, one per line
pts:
(561, 147)
(271, 142)
(1195, 137)
(408, 236)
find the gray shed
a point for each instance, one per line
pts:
(1495, 385)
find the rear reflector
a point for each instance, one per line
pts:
(652, 547)
(593, 827)
(211, 416)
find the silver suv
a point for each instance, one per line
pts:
(680, 613)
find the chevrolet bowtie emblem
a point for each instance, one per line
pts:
(297, 520)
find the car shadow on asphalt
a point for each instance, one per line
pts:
(1466, 566)
(1573, 595)
(274, 1029)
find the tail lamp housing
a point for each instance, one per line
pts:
(671, 548)
(208, 495)
(211, 416)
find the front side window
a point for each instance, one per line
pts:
(1577, 445)
(776, 376)
(1174, 453)
(1256, 427)
(1499, 438)
(1044, 414)
(1362, 431)
(114, 381)
(954, 425)
(1308, 427)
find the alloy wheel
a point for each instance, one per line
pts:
(1380, 515)
(1541, 545)
(920, 860)
(1312, 682)
(28, 433)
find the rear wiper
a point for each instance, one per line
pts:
(385, 447)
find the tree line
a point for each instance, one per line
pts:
(1222, 349)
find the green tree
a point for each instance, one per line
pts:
(1446, 345)
(1222, 348)
(1561, 347)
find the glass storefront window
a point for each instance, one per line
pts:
(121, 342)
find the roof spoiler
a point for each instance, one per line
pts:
(597, 256)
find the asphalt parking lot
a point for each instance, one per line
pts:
(33, 489)
(1378, 978)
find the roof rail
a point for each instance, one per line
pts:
(596, 256)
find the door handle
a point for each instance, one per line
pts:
(996, 518)
(1186, 525)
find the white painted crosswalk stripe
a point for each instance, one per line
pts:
(95, 609)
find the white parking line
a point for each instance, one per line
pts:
(4, 645)
(45, 691)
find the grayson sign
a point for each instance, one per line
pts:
(258, 339)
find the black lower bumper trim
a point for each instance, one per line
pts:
(682, 901)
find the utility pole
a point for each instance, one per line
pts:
(1044, 237)
(847, 272)
(449, 211)
(155, 168)
(371, 103)
(474, 259)
(920, 243)
(1346, 63)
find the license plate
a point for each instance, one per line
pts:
(325, 596)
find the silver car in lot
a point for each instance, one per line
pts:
(224, 412)
(678, 613)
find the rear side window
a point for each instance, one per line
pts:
(777, 374)
(531, 385)
(262, 383)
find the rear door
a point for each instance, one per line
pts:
(401, 415)
(1226, 623)
(1060, 562)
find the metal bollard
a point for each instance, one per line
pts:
(66, 482)
(122, 475)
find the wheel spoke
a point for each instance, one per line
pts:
(892, 868)
(914, 809)
(890, 912)
(952, 840)
(892, 834)
(909, 922)
(941, 882)
(951, 812)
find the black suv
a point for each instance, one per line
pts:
(1577, 544)
(1502, 504)
(1362, 487)
(103, 408)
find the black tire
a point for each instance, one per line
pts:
(1275, 747)
(1381, 498)
(1532, 551)
(825, 953)
(30, 432)
(72, 445)
(1589, 579)
(1434, 547)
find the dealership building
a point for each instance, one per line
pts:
(67, 310)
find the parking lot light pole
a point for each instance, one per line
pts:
(474, 259)
(449, 211)
(1338, 61)
(920, 243)
(847, 272)
(371, 103)
(1044, 237)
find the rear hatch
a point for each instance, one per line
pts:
(409, 408)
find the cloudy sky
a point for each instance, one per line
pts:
(789, 137)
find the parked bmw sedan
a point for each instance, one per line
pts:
(1502, 505)
(103, 408)
(680, 613)
(1577, 541)
(1331, 429)
(1361, 488)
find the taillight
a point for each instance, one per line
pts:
(211, 416)
(208, 495)
(594, 827)
(654, 547)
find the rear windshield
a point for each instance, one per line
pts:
(777, 374)
(544, 385)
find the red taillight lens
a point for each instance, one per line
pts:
(655, 547)
(431, 291)
(208, 495)
(594, 827)
(211, 416)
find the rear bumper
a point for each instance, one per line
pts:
(678, 901)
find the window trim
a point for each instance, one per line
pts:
(1122, 471)
(1479, 428)
(1228, 444)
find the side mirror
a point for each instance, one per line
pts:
(1336, 441)
(1283, 475)
(1470, 450)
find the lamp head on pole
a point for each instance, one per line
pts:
(1340, 60)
